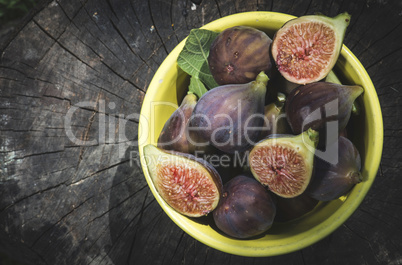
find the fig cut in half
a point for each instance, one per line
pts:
(190, 185)
(305, 49)
(284, 163)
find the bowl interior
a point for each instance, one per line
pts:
(169, 86)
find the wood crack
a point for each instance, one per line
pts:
(387, 34)
(178, 245)
(126, 226)
(365, 240)
(59, 221)
(383, 57)
(126, 42)
(64, 47)
(31, 195)
(122, 77)
(96, 172)
(138, 224)
(156, 28)
(112, 9)
(171, 20)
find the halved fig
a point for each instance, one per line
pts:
(284, 163)
(190, 185)
(305, 49)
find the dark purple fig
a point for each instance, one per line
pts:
(344, 133)
(230, 117)
(283, 85)
(190, 185)
(305, 49)
(284, 163)
(246, 208)
(288, 209)
(321, 104)
(336, 176)
(239, 54)
(275, 118)
(174, 133)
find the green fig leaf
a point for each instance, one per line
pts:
(197, 87)
(193, 59)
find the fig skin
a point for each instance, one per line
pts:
(174, 133)
(288, 209)
(223, 115)
(284, 163)
(239, 54)
(315, 105)
(190, 185)
(333, 179)
(246, 208)
(305, 49)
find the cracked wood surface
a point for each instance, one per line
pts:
(86, 63)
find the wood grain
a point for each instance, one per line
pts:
(86, 201)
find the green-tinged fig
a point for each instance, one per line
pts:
(230, 117)
(336, 176)
(246, 208)
(174, 132)
(288, 209)
(284, 163)
(239, 54)
(190, 185)
(305, 49)
(318, 104)
(275, 118)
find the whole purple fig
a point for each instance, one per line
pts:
(239, 54)
(246, 208)
(315, 105)
(333, 179)
(230, 117)
(288, 209)
(174, 133)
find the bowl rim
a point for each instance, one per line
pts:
(316, 233)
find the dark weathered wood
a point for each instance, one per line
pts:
(65, 202)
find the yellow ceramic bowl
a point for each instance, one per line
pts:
(170, 85)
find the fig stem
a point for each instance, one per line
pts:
(189, 98)
(313, 135)
(343, 19)
(281, 99)
(261, 79)
(356, 91)
(355, 177)
(259, 85)
(355, 109)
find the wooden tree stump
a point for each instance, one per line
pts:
(72, 190)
